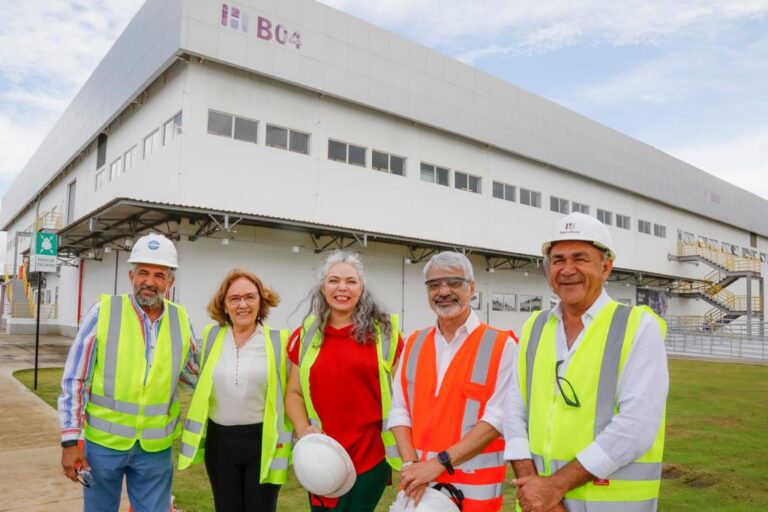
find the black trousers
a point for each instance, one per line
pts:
(233, 462)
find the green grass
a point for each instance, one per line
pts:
(715, 457)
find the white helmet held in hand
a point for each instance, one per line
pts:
(156, 250)
(323, 466)
(579, 226)
(432, 501)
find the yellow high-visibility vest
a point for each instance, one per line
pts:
(386, 350)
(558, 432)
(276, 437)
(124, 406)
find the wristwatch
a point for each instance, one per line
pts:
(68, 443)
(445, 459)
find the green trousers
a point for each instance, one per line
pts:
(365, 494)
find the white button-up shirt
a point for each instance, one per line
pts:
(445, 351)
(641, 394)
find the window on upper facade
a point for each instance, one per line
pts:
(623, 222)
(102, 178)
(151, 144)
(220, 123)
(435, 174)
(71, 191)
(504, 191)
(298, 142)
(764, 257)
(246, 129)
(605, 216)
(172, 129)
(115, 168)
(130, 158)
(347, 153)
(277, 137)
(530, 198)
(580, 207)
(559, 205)
(101, 150)
(468, 182)
(659, 231)
(643, 226)
(385, 162)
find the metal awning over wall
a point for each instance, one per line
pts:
(117, 223)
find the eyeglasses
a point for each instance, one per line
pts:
(573, 402)
(453, 283)
(235, 300)
(85, 477)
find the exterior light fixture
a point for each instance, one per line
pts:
(295, 249)
(107, 249)
(225, 241)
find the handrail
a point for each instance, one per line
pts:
(49, 220)
(718, 257)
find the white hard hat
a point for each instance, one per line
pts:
(154, 249)
(578, 226)
(323, 466)
(432, 501)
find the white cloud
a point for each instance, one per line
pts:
(47, 51)
(741, 160)
(532, 26)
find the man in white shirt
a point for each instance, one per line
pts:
(585, 416)
(447, 408)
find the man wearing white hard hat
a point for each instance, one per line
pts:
(119, 387)
(585, 422)
(447, 410)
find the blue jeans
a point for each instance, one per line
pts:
(148, 477)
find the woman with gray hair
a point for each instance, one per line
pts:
(344, 354)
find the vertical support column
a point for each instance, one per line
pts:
(761, 287)
(749, 305)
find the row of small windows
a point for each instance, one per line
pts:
(508, 193)
(564, 206)
(247, 130)
(150, 144)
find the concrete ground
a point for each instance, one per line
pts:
(31, 478)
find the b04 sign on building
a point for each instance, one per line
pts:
(237, 18)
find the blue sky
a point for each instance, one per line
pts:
(687, 77)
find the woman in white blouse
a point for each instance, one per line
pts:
(237, 409)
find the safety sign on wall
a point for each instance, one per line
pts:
(44, 251)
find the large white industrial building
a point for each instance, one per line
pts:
(264, 133)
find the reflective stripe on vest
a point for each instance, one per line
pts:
(479, 376)
(110, 366)
(611, 506)
(213, 332)
(413, 359)
(283, 436)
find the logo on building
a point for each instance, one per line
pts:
(238, 19)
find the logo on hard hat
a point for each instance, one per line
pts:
(570, 227)
(154, 245)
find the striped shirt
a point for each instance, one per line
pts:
(78, 370)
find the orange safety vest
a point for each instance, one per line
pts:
(441, 420)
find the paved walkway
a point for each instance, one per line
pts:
(30, 457)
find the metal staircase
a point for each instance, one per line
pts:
(712, 288)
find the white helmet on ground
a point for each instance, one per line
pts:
(432, 501)
(323, 466)
(578, 226)
(156, 250)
